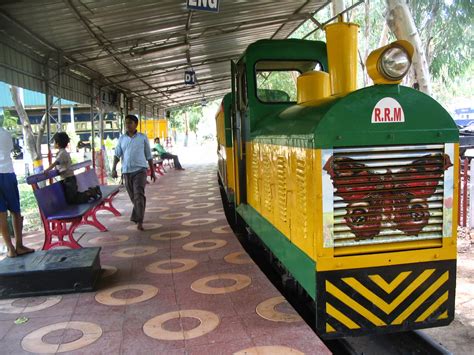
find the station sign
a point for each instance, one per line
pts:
(189, 77)
(203, 5)
(388, 110)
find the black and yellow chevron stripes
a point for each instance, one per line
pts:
(364, 301)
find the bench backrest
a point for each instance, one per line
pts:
(86, 179)
(51, 199)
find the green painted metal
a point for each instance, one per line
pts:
(286, 49)
(227, 104)
(347, 122)
(297, 262)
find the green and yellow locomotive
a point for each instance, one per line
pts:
(354, 191)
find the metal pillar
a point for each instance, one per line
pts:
(48, 121)
(92, 126)
(60, 119)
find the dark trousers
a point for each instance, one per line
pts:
(74, 197)
(175, 158)
(135, 184)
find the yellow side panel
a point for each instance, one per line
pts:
(252, 167)
(230, 168)
(303, 200)
(281, 176)
(267, 182)
(154, 128)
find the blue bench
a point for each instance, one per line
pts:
(61, 219)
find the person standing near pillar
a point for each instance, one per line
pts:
(10, 199)
(134, 150)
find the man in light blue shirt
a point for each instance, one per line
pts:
(134, 150)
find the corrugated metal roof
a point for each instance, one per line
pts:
(143, 47)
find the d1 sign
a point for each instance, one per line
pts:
(388, 110)
(189, 77)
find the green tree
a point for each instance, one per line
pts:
(9, 122)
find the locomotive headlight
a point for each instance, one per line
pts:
(389, 64)
(394, 63)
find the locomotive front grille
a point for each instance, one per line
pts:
(387, 194)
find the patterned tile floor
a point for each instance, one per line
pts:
(184, 286)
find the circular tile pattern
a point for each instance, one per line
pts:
(106, 296)
(199, 194)
(187, 264)
(193, 246)
(132, 252)
(7, 306)
(157, 209)
(241, 281)
(199, 221)
(214, 198)
(269, 350)
(108, 270)
(200, 205)
(120, 219)
(163, 197)
(111, 239)
(170, 235)
(266, 309)
(33, 342)
(208, 322)
(182, 192)
(222, 229)
(218, 211)
(180, 201)
(239, 257)
(175, 215)
(147, 226)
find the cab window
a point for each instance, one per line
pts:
(276, 80)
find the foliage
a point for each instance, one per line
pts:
(446, 30)
(194, 115)
(9, 122)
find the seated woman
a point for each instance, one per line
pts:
(165, 155)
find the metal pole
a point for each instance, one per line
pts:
(92, 127)
(464, 202)
(60, 120)
(48, 122)
(471, 196)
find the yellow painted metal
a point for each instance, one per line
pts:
(279, 176)
(312, 86)
(154, 128)
(230, 168)
(378, 301)
(280, 186)
(386, 259)
(422, 298)
(341, 317)
(341, 296)
(379, 248)
(341, 41)
(389, 287)
(225, 152)
(303, 199)
(434, 306)
(373, 62)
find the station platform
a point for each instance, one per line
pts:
(183, 286)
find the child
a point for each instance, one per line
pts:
(63, 165)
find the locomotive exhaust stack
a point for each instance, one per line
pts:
(341, 41)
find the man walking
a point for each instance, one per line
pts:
(10, 199)
(134, 150)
